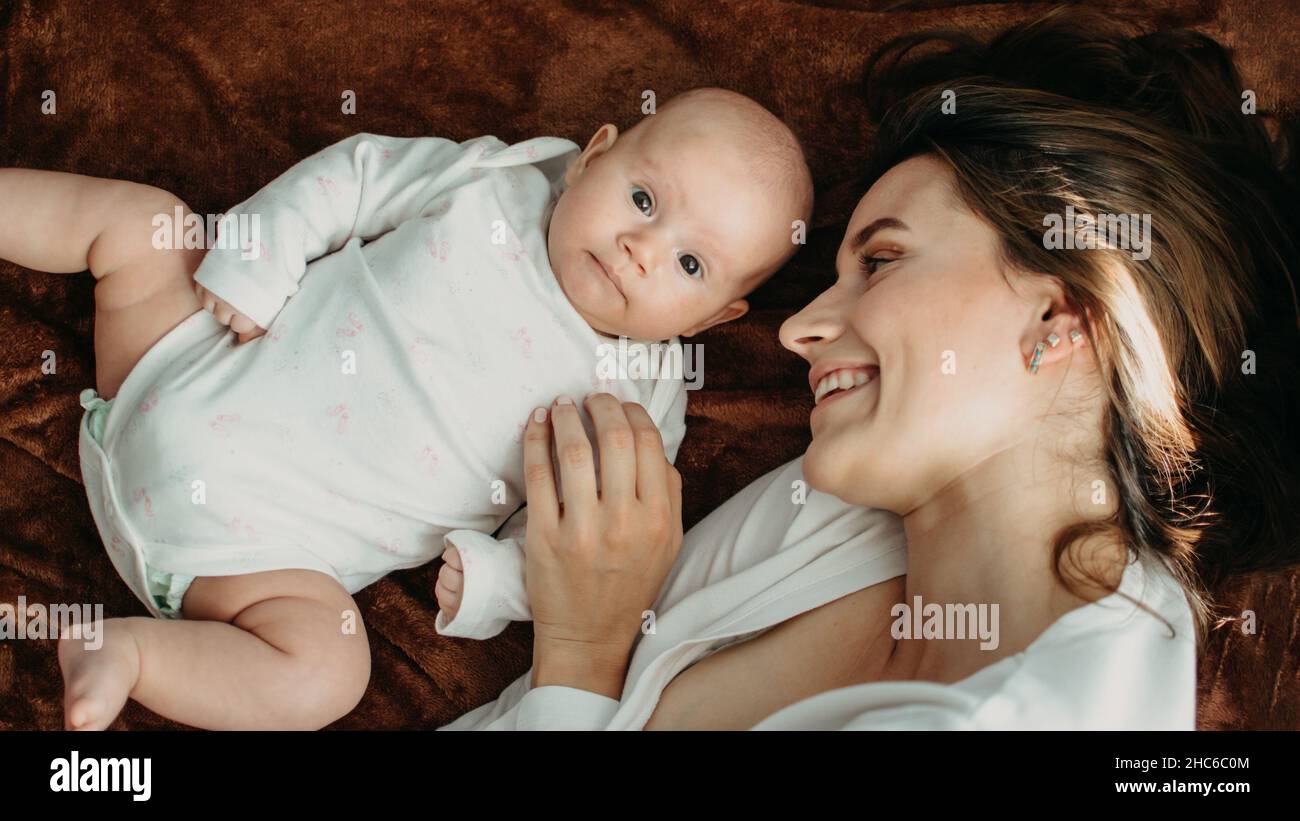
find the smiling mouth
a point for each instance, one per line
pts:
(842, 381)
(608, 274)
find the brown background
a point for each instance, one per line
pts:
(212, 101)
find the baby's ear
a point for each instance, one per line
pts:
(600, 142)
(735, 310)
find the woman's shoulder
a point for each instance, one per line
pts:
(1112, 664)
(1106, 665)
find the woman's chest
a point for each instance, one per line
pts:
(841, 643)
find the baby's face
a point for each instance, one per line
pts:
(665, 232)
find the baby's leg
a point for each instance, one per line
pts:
(64, 223)
(283, 649)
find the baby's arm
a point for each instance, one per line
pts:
(481, 587)
(363, 186)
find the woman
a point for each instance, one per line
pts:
(1087, 439)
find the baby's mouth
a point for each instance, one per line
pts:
(608, 274)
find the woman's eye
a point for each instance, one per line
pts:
(690, 265)
(868, 265)
(641, 199)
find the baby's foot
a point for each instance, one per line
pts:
(451, 581)
(97, 682)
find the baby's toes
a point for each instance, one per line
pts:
(96, 681)
(85, 712)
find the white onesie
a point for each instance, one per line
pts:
(381, 414)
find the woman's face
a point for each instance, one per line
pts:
(938, 332)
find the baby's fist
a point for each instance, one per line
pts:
(451, 580)
(244, 328)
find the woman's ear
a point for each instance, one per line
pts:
(1057, 323)
(600, 142)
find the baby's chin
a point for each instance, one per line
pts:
(633, 334)
(594, 308)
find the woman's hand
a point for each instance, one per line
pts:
(597, 562)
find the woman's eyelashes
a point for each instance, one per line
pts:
(868, 265)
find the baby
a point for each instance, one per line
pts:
(452, 288)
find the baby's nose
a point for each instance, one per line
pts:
(643, 254)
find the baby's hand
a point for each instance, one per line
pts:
(451, 580)
(244, 328)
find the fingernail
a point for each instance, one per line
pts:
(539, 415)
(564, 400)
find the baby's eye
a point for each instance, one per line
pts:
(690, 265)
(641, 199)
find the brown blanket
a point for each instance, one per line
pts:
(213, 101)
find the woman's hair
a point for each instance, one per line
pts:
(1077, 110)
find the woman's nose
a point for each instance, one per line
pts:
(820, 321)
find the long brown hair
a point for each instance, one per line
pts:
(1078, 110)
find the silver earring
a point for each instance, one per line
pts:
(1038, 354)
(1075, 336)
(1053, 340)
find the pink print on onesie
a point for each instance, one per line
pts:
(328, 187)
(421, 351)
(428, 459)
(524, 342)
(357, 326)
(341, 412)
(516, 253)
(223, 424)
(150, 401)
(437, 249)
(142, 495)
(241, 529)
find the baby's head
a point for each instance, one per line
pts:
(687, 212)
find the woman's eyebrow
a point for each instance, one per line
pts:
(860, 239)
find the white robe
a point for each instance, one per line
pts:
(760, 559)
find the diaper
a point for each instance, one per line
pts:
(164, 591)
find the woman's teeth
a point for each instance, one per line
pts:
(843, 379)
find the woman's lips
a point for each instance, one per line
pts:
(838, 395)
(600, 266)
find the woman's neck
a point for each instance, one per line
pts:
(986, 539)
